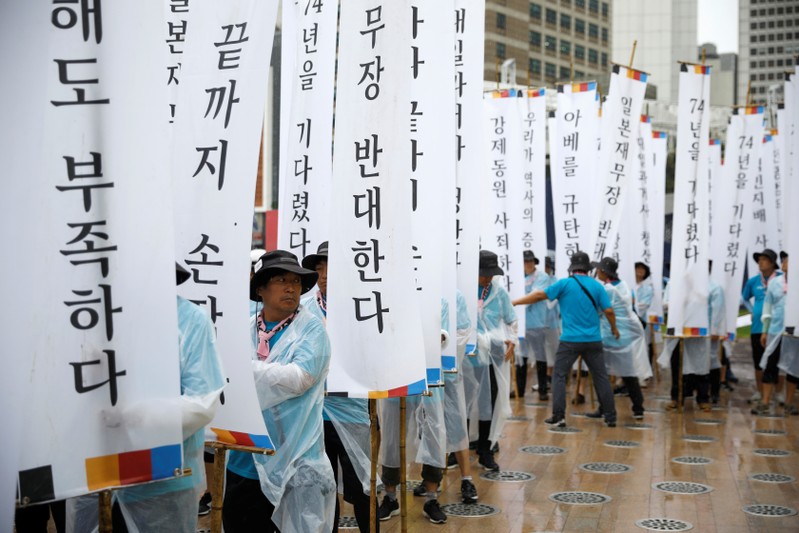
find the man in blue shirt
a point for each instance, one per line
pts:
(581, 299)
(756, 287)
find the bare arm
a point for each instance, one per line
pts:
(534, 297)
(611, 316)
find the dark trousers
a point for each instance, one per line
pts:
(34, 518)
(691, 383)
(591, 352)
(353, 490)
(431, 474)
(521, 377)
(543, 381)
(245, 508)
(634, 388)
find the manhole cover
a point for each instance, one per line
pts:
(567, 429)
(699, 438)
(622, 443)
(542, 450)
(664, 524)
(768, 477)
(347, 522)
(469, 510)
(771, 432)
(518, 419)
(708, 421)
(692, 460)
(636, 425)
(764, 509)
(771, 452)
(579, 498)
(508, 476)
(536, 404)
(682, 487)
(605, 468)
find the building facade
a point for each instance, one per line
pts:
(724, 69)
(545, 36)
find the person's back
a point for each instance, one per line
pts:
(579, 314)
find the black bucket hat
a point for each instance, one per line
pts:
(489, 264)
(783, 256)
(279, 261)
(647, 270)
(530, 256)
(549, 262)
(181, 274)
(608, 265)
(310, 261)
(580, 261)
(768, 253)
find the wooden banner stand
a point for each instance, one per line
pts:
(375, 442)
(681, 380)
(403, 481)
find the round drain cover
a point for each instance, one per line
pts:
(567, 429)
(542, 450)
(508, 476)
(622, 443)
(768, 477)
(692, 460)
(605, 468)
(347, 522)
(699, 438)
(469, 510)
(771, 452)
(771, 432)
(708, 421)
(682, 487)
(664, 524)
(764, 509)
(638, 425)
(579, 498)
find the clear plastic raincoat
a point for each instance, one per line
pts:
(496, 323)
(298, 479)
(537, 321)
(774, 311)
(171, 506)
(624, 356)
(454, 397)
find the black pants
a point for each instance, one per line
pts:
(521, 377)
(691, 382)
(353, 490)
(431, 474)
(245, 508)
(33, 519)
(636, 397)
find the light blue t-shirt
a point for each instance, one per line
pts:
(754, 288)
(579, 317)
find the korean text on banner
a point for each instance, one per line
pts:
(656, 176)
(638, 230)
(92, 281)
(217, 141)
(765, 228)
(308, 56)
(374, 325)
(791, 190)
(687, 316)
(469, 54)
(534, 131)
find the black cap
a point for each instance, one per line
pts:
(767, 253)
(783, 256)
(609, 266)
(279, 261)
(646, 268)
(580, 261)
(310, 261)
(489, 264)
(530, 256)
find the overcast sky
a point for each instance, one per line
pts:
(718, 23)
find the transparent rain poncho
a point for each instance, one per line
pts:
(774, 312)
(171, 506)
(350, 416)
(537, 321)
(718, 322)
(496, 323)
(552, 337)
(626, 356)
(789, 355)
(298, 479)
(454, 397)
(426, 439)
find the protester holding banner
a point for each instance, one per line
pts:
(294, 489)
(496, 341)
(755, 289)
(644, 294)
(455, 403)
(581, 300)
(537, 322)
(621, 353)
(346, 420)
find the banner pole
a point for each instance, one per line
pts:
(375, 436)
(218, 490)
(105, 520)
(579, 376)
(513, 371)
(653, 362)
(403, 488)
(680, 378)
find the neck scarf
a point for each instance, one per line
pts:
(264, 335)
(483, 296)
(322, 301)
(764, 281)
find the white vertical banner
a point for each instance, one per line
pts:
(791, 190)
(469, 54)
(430, 134)
(534, 132)
(89, 280)
(216, 146)
(307, 62)
(621, 114)
(716, 191)
(656, 176)
(779, 169)
(573, 142)
(689, 243)
(733, 207)
(374, 324)
(177, 21)
(636, 230)
(503, 188)
(765, 231)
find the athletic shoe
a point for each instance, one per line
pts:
(557, 421)
(579, 400)
(468, 492)
(706, 407)
(486, 460)
(760, 409)
(638, 415)
(495, 448)
(595, 414)
(621, 390)
(791, 410)
(452, 461)
(671, 406)
(420, 490)
(779, 398)
(432, 511)
(544, 397)
(388, 508)
(204, 507)
(755, 398)
(610, 423)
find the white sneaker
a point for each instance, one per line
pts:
(755, 398)
(779, 398)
